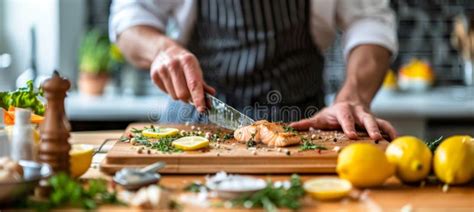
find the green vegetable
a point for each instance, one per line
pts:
(251, 142)
(26, 97)
(309, 145)
(163, 144)
(65, 191)
(434, 144)
(272, 197)
(289, 129)
(195, 187)
(95, 53)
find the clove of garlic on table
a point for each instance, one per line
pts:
(151, 197)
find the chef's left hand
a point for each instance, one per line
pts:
(347, 115)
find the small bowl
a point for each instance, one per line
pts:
(235, 191)
(33, 172)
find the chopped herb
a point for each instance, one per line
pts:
(309, 145)
(251, 142)
(287, 128)
(228, 136)
(124, 139)
(65, 191)
(434, 144)
(135, 130)
(195, 187)
(164, 145)
(273, 197)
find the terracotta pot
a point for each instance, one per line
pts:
(92, 84)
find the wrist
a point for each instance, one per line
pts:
(352, 95)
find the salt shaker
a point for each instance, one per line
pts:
(22, 147)
(4, 140)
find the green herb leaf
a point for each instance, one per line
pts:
(309, 145)
(272, 197)
(26, 97)
(434, 144)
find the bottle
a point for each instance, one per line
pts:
(4, 140)
(22, 140)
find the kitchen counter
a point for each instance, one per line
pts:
(114, 107)
(392, 196)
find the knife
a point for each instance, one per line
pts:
(224, 115)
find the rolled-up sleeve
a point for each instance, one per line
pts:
(128, 13)
(367, 22)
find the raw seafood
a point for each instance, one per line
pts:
(271, 134)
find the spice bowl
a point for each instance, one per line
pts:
(233, 186)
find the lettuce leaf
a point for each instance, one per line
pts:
(26, 97)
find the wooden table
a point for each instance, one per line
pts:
(392, 196)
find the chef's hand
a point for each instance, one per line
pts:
(347, 115)
(177, 72)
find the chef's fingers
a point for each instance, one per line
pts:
(387, 128)
(346, 120)
(179, 81)
(157, 81)
(209, 89)
(303, 124)
(166, 79)
(194, 80)
(369, 123)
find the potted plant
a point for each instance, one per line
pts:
(94, 63)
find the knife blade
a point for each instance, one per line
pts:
(224, 115)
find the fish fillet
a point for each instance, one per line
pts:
(271, 134)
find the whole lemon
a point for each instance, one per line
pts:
(411, 157)
(364, 165)
(452, 160)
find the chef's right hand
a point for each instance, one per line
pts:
(178, 73)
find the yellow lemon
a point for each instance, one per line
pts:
(190, 143)
(80, 159)
(327, 188)
(411, 157)
(364, 165)
(159, 132)
(390, 81)
(453, 160)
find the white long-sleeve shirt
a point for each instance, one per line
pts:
(361, 21)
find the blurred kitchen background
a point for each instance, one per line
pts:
(432, 97)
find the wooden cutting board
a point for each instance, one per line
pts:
(234, 157)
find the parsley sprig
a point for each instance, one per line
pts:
(273, 197)
(309, 145)
(67, 192)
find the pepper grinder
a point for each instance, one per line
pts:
(54, 146)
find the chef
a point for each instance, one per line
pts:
(263, 57)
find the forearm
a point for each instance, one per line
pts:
(366, 68)
(141, 44)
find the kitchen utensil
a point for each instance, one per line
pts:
(132, 179)
(226, 116)
(33, 172)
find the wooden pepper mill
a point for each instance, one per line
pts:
(54, 147)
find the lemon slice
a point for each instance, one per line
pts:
(328, 188)
(160, 132)
(80, 158)
(190, 143)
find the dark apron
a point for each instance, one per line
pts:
(260, 57)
